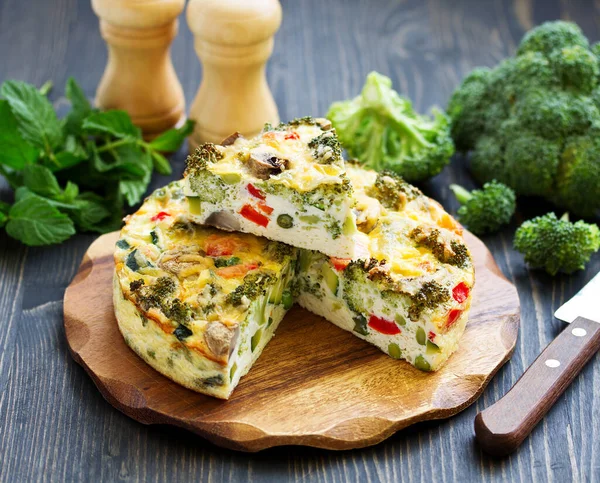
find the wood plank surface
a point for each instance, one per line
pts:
(55, 425)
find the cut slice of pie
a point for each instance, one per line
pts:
(410, 296)
(408, 291)
(197, 304)
(287, 184)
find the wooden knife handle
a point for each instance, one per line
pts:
(503, 426)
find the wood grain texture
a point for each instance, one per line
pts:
(55, 425)
(314, 385)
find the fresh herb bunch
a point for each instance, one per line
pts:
(74, 173)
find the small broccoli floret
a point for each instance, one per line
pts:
(531, 164)
(531, 70)
(429, 296)
(177, 311)
(254, 285)
(355, 275)
(452, 253)
(326, 148)
(204, 154)
(298, 121)
(392, 191)
(579, 172)
(525, 120)
(555, 114)
(279, 251)
(577, 67)
(557, 245)
(155, 295)
(485, 210)
(207, 186)
(381, 129)
(487, 160)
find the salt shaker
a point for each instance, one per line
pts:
(234, 40)
(139, 76)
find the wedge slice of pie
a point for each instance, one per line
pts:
(287, 184)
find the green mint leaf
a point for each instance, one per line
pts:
(23, 192)
(70, 192)
(114, 123)
(46, 88)
(161, 164)
(113, 201)
(41, 181)
(133, 189)
(171, 140)
(90, 212)
(64, 160)
(75, 147)
(80, 107)
(36, 119)
(126, 161)
(14, 150)
(34, 221)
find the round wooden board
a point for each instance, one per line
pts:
(314, 384)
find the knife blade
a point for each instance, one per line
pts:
(503, 426)
(582, 303)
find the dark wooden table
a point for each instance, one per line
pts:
(54, 425)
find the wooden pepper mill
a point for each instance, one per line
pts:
(233, 39)
(139, 76)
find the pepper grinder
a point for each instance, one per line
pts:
(234, 40)
(139, 76)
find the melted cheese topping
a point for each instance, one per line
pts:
(369, 210)
(303, 171)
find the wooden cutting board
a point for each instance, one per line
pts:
(314, 384)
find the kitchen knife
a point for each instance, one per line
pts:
(503, 426)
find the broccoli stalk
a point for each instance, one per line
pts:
(381, 129)
(557, 245)
(486, 210)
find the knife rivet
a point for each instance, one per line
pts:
(552, 363)
(578, 332)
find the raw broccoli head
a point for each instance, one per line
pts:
(485, 210)
(532, 121)
(381, 129)
(557, 245)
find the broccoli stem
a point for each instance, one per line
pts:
(408, 126)
(462, 195)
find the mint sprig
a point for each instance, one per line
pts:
(74, 173)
